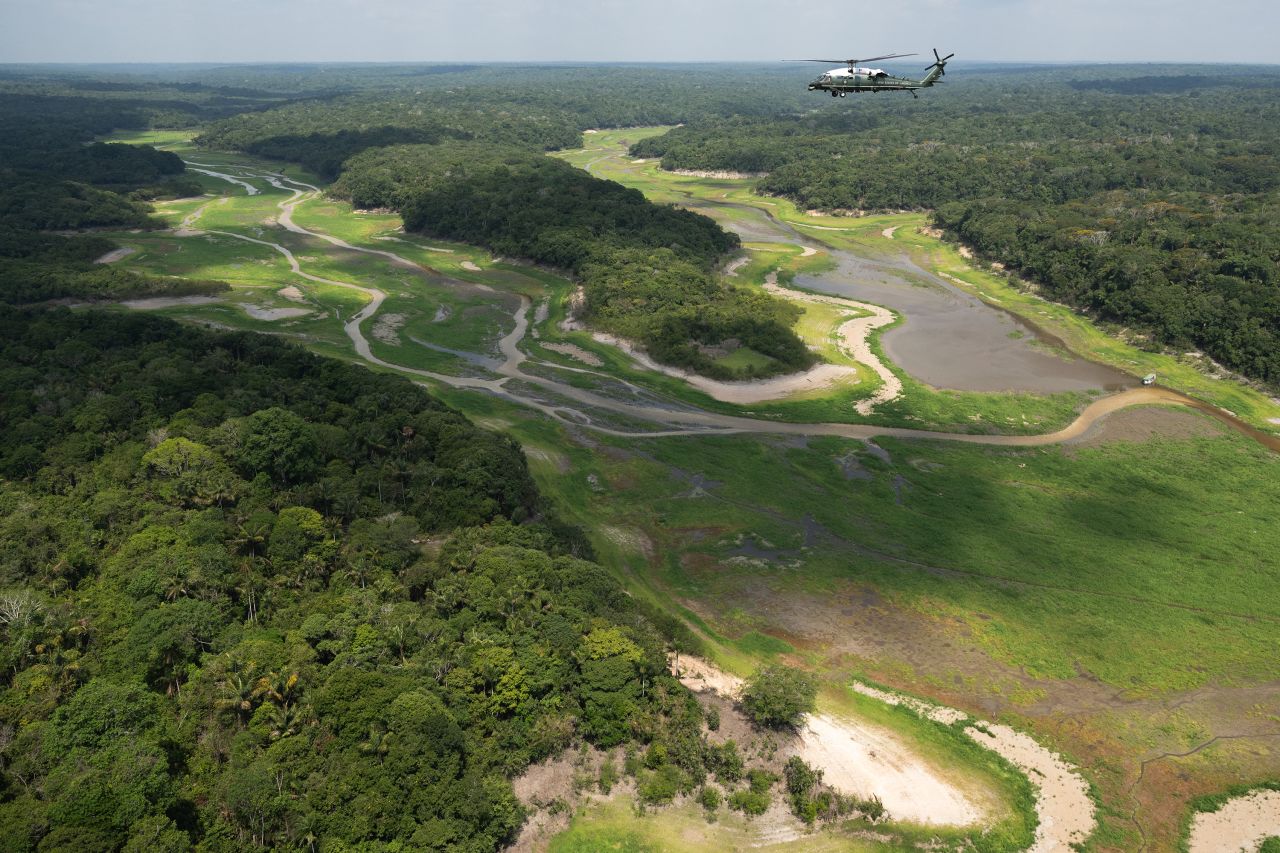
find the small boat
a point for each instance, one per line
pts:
(1149, 379)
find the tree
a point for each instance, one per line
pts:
(277, 441)
(778, 696)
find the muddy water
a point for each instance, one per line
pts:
(948, 338)
(952, 339)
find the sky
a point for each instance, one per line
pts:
(634, 30)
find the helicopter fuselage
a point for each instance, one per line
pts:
(841, 81)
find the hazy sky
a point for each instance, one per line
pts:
(633, 30)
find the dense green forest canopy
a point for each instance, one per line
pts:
(255, 598)
(1152, 201)
(54, 176)
(538, 108)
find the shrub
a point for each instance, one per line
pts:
(778, 697)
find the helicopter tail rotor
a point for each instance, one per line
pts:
(940, 62)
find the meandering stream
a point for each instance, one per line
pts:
(580, 404)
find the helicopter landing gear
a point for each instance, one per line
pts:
(834, 93)
(843, 94)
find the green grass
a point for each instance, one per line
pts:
(1128, 561)
(745, 357)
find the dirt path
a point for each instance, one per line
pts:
(1241, 824)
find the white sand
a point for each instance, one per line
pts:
(1242, 824)
(888, 232)
(469, 266)
(858, 759)
(291, 292)
(871, 761)
(1062, 799)
(937, 713)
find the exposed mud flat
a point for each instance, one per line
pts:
(257, 312)
(155, 303)
(576, 352)
(1146, 424)
(721, 174)
(1241, 824)
(747, 391)
(292, 292)
(387, 328)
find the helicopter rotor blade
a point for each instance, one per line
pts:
(854, 61)
(886, 56)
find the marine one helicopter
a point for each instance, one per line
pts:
(841, 81)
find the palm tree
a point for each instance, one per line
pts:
(378, 742)
(249, 586)
(239, 689)
(251, 535)
(281, 690)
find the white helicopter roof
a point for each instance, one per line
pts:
(850, 72)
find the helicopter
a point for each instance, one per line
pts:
(841, 81)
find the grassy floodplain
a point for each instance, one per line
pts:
(1102, 597)
(866, 235)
